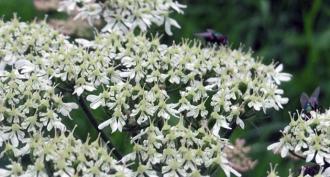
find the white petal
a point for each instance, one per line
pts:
(310, 157)
(279, 68)
(104, 124)
(78, 91)
(92, 98)
(326, 172)
(284, 152)
(14, 141)
(319, 159)
(95, 105)
(168, 23)
(4, 172)
(114, 125)
(89, 88)
(274, 146)
(240, 122)
(84, 43)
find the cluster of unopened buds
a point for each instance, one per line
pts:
(238, 156)
(175, 102)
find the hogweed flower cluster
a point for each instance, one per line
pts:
(69, 26)
(307, 139)
(136, 79)
(29, 103)
(124, 15)
(178, 151)
(174, 101)
(64, 155)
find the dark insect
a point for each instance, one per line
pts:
(311, 103)
(311, 169)
(213, 37)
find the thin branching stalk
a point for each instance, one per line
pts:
(92, 120)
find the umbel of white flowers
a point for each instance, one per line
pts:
(307, 139)
(63, 155)
(176, 98)
(124, 15)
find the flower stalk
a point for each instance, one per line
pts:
(92, 120)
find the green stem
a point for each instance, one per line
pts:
(213, 170)
(296, 155)
(92, 120)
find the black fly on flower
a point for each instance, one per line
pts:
(311, 103)
(213, 37)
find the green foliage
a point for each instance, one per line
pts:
(23, 8)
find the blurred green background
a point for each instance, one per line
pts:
(295, 33)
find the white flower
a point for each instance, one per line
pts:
(37, 169)
(272, 172)
(85, 43)
(145, 169)
(224, 164)
(317, 149)
(221, 121)
(144, 109)
(168, 23)
(51, 120)
(67, 108)
(90, 11)
(280, 146)
(100, 100)
(166, 110)
(123, 17)
(198, 90)
(16, 169)
(67, 5)
(177, 6)
(116, 123)
(14, 134)
(279, 77)
(25, 66)
(173, 169)
(80, 89)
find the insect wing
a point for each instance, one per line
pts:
(203, 34)
(304, 99)
(313, 100)
(210, 30)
